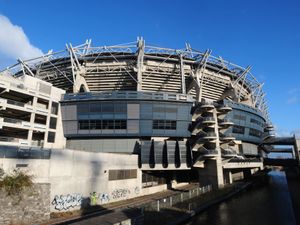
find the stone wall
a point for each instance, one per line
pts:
(33, 207)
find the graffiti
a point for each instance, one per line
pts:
(120, 193)
(137, 190)
(104, 198)
(93, 198)
(65, 202)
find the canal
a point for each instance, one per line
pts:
(267, 205)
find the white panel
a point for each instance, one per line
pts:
(133, 111)
(133, 126)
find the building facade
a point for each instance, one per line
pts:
(179, 115)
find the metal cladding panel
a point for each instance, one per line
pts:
(69, 112)
(183, 151)
(146, 110)
(158, 149)
(249, 149)
(184, 112)
(133, 111)
(70, 127)
(145, 151)
(133, 126)
(146, 127)
(171, 147)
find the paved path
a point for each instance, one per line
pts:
(112, 211)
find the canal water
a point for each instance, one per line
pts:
(268, 205)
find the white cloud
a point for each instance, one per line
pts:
(14, 43)
(292, 100)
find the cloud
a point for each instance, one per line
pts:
(292, 100)
(293, 91)
(14, 43)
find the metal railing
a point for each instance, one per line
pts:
(175, 199)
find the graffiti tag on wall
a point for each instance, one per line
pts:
(64, 202)
(120, 193)
(104, 198)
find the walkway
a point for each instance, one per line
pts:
(114, 210)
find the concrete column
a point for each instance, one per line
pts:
(227, 177)
(32, 117)
(247, 173)
(212, 174)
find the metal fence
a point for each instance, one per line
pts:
(175, 199)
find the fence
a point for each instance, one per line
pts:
(175, 199)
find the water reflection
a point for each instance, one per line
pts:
(269, 205)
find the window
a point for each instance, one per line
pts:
(51, 137)
(238, 129)
(149, 180)
(107, 107)
(83, 108)
(84, 124)
(239, 117)
(164, 124)
(52, 124)
(95, 124)
(120, 108)
(255, 133)
(95, 108)
(107, 124)
(122, 174)
(102, 124)
(54, 108)
(256, 122)
(120, 124)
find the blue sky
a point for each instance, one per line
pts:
(263, 34)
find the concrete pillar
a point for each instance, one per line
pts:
(227, 177)
(212, 174)
(32, 117)
(247, 173)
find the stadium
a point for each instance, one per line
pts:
(144, 116)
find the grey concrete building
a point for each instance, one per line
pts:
(178, 115)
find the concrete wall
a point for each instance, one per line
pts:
(74, 175)
(32, 208)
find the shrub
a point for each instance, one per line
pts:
(16, 182)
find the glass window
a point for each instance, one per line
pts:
(164, 124)
(51, 137)
(239, 117)
(107, 124)
(52, 124)
(54, 108)
(83, 124)
(83, 108)
(95, 124)
(107, 107)
(120, 108)
(120, 124)
(95, 107)
(255, 133)
(238, 129)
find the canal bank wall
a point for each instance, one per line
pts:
(293, 180)
(182, 212)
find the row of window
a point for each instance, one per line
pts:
(102, 124)
(241, 130)
(122, 124)
(256, 122)
(164, 124)
(104, 107)
(122, 174)
(239, 117)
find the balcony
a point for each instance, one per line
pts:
(13, 141)
(225, 122)
(227, 137)
(224, 109)
(228, 153)
(208, 136)
(208, 152)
